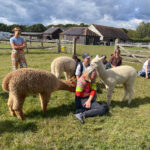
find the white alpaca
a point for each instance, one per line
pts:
(63, 64)
(125, 75)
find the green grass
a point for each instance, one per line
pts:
(124, 128)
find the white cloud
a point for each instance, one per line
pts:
(130, 24)
(5, 21)
(55, 21)
(125, 14)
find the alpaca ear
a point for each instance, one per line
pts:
(102, 57)
(97, 56)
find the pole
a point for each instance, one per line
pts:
(58, 46)
(74, 46)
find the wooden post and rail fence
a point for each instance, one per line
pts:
(134, 55)
(59, 45)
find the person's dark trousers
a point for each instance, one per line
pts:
(143, 74)
(96, 108)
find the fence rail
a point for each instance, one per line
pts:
(59, 45)
(142, 45)
(130, 53)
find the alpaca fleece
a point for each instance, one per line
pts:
(63, 64)
(125, 75)
(23, 81)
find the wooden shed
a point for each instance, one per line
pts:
(83, 35)
(52, 33)
(109, 34)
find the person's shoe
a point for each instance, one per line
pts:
(79, 116)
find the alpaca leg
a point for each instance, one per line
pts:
(131, 91)
(58, 74)
(109, 95)
(17, 106)
(125, 92)
(44, 98)
(66, 75)
(10, 105)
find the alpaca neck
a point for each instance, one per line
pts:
(64, 86)
(102, 72)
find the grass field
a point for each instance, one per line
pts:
(124, 128)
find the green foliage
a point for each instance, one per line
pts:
(131, 33)
(36, 27)
(143, 30)
(124, 128)
(3, 27)
(125, 30)
(146, 39)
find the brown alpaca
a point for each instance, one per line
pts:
(23, 81)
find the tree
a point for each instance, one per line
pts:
(3, 27)
(132, 33)
(37, 28)
(141, 30)
(125, 30)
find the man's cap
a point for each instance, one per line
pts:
(86, 55)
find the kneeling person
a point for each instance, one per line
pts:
(85, 99)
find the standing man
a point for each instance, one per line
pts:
(18, 44)
(82, 66)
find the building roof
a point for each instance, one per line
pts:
(79, 31)
(52, 30)
(111, 32)
(31, 33)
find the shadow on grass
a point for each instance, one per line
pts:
(13, 126)
(135, 102)
(4, 95)
(59, 111)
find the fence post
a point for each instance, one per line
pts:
(30, 41)
(58, 46)
(74, 46)
(116, 44)
(42, 43)
(149, 45)
(27, 48)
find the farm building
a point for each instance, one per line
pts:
(108, 34)
(52, 33)
(31, 35)
(4, 35)
(83, 35)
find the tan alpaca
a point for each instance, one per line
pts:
(23, 81)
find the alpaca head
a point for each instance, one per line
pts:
(97, 60)
(71, 83)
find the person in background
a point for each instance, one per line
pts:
(77, 60)
(82, 66)
(85, 97)
(107, 65)
(116, 60)
(145, 72)
(18, 44)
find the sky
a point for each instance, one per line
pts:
(117, 13)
